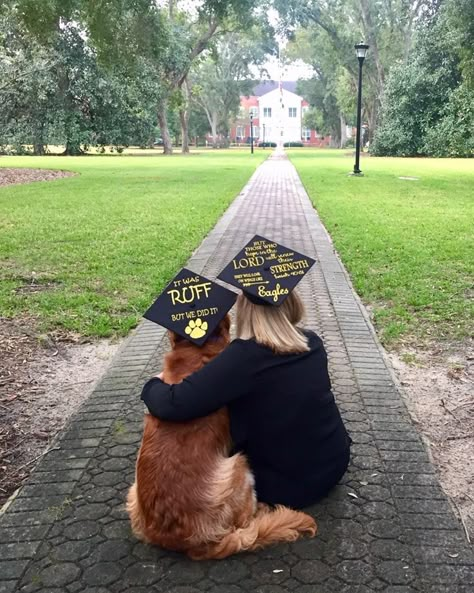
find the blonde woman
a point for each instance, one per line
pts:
(274, 380)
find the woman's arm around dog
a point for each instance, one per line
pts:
(222, 380)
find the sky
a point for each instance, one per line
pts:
(293, 71)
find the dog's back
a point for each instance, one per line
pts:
(176, 461)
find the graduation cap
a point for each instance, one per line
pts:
(192, 306)
(266, 271)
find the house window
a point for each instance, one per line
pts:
(253, 111)
(291, 111)
(240, 132)
(267, 112)
(306, 134)
(256, 131)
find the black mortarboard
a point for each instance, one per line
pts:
(191, 306)
(266, 271)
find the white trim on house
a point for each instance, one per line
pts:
(276, 107)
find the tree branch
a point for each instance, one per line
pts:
(199, 47)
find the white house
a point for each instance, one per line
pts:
(280, 116)
(277, 116)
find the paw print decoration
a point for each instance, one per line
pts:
(196, 328)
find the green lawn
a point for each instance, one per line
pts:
(408, 244)
(88, 253)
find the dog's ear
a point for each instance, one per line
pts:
(174, 338)
(223, 329)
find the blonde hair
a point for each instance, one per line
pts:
(272, 326)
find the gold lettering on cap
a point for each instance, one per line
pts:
(188, 294)
(278, 291)
(248, 262)
(289, 267)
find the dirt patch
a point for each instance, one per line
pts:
(439, 386)
(42, 383)
(34, 285)
(14, 176)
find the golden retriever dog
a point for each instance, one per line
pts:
(189, 495)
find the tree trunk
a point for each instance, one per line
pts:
(184, 117)
(335, 133)
(372, 121)
(343, 131)
(165, 133)
(73, 143)
(38, 149)
(72, 149)
(370, 34)
(214, 132)
(39, 136)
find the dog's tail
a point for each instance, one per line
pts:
(135, 514)
(267, 527)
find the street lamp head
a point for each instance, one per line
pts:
(251, 117)
(361, 50)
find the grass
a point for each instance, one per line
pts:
(88, 253)
(407, 244)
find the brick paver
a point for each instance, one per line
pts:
(387, 528)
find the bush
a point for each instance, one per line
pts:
(267, 144)
(293, 145)
(453, 135)
(415, 118)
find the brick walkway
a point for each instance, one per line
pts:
(387, 528)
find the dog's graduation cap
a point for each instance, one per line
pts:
(266, 271)
(192, 306)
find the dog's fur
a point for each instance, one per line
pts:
(188, 495)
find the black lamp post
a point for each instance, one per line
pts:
(263, 135)
(361, 51)
(251, 133)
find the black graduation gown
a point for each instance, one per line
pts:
(282, 416)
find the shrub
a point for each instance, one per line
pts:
(417, 96)
(453, 135)
(267, 144)
(293, 145)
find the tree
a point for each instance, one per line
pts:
(460, 20)
(387, 26)
(191, 33)
(331, 91)
(129, 36)
(220, 80)
(428, 103)
(27, 87)
(61, 93)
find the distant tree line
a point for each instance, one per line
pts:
(114, 73)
